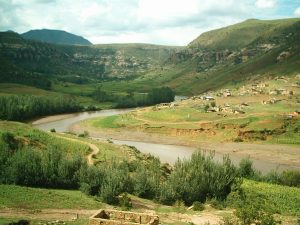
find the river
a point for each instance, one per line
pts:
(166, 153)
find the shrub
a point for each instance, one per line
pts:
(198, 206)
(290, 178)
(238, 139)
(91, 179)
(246, 168)
(116, 181)
(199, 178)
(9, 139)
(125, 201)
(147, 179)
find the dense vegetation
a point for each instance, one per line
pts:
(288, 177)
(30, 79)
(25, 165)
(26, 159)
(16, 107)
(131, 99)
(199, 178)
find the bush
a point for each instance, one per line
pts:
(9, 139)
(251, 208)
(91, 179)
(199, 178)
(116, 181)
(217, 204)
(246, 168)
(147, 180)
(125, 201)
(238, 139)
(52, 130)
(290, 178)
(198, 206)
(84, 134)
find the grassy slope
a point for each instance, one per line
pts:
(74, 90)
(12, 196)
(10, 88)
(242, 34)
(147, 52)
(67, 143)
(250, 34)
(281, 199)
(26, 135)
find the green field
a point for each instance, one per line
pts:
(279, 199)
(37, 198)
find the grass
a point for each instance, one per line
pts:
(26, 135)
(76, 91)
(9, 88)
(259, 123)
(281, 199)
(12, 196)
(108, 151)
(39, 222)
(106, 122)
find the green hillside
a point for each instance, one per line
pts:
(55, 37)
(236, 54)
(220, 58)
(243, 34)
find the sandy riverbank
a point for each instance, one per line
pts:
(275, 153)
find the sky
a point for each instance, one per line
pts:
(167, 22)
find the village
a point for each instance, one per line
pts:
(231, 100)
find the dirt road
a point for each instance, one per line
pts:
(94, 148)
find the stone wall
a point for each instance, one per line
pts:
(114, 217)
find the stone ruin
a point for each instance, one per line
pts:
(114, 217)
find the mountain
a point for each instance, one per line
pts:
(55, 37)
(243, 34)
(35, 63)
(235, 54)
(228, 56)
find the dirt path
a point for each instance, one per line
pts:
(94, 148)
(47, 214)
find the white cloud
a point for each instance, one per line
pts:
(265, 4)
(106, 21)
(297, 11)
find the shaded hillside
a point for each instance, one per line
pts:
(38, 63)
(56, 37)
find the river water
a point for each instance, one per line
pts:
(166, 153)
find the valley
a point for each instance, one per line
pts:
(207, 133)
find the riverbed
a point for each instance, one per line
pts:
(166, 152)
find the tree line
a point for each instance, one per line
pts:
(19, 108)
(155, 96)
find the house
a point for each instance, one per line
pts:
(238, 111)
(244, 104)
(208, 98)
(227, 94)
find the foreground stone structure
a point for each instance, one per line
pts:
(114, 217)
